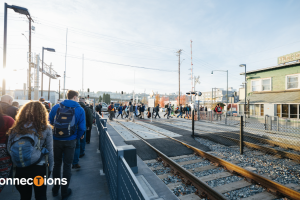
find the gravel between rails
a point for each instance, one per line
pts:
(279, 170)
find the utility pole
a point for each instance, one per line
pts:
(82, 74)
(179, 52)
(192, 80)
(49, 82)
(59, 89)
(65, 65)
(30, 64)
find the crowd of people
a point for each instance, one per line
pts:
(35, 140)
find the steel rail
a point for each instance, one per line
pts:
(289, 155)
(205, 191)
(272, 186)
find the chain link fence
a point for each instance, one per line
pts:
(269, 134)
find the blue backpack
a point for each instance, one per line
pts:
(23, 149)
(64, 122)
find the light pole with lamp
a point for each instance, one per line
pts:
(193, 112)
(212, 72)
(23, 11)
(244, 65)
(47, 49)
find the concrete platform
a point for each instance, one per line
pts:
(144, 172)
(86, 182)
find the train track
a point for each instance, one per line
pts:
(206, 161)
(235, 138)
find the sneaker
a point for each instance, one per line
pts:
(76, 166)
(82, 155)
(54, 193)
(65, 197)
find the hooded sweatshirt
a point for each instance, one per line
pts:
(79, 119)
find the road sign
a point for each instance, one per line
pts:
(151, 103)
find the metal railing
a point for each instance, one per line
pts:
(121, 180)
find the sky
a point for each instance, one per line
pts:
(131, 45)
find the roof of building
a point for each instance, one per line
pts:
(274, 97)
(273, 67)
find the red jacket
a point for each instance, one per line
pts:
(216, 109)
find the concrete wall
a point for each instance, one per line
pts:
(277, 77)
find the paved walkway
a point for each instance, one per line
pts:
(86, 183)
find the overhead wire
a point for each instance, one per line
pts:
(120, 64)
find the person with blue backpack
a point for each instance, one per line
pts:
(80, 144)
(68, 120)
(120, 110)
(30, 145)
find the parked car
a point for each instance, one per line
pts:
(231, 113)
(104, 107)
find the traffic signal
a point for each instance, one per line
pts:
(199, 93)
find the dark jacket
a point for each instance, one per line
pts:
(88, 115)
(98, 108)
(9, 109)
(157, 108)
(143, 108)
(79, 119)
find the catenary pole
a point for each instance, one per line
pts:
(179, 52)
(42, 85)
(82, 75)
(65, 65)
(4, 47)
(29, 73)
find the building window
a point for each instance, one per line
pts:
(262, 110)
(266, 85)
(255, 86)
(256, 109)
(261, 85)
(292, 82)
(252, 111)
(285, 110)
(293, 111)
(279, 110)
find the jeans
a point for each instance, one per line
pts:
(59, 148)
(180, 114)
(157, 114)
(82, 144)
(77, 152)
(25, 191)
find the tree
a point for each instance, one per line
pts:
(104, 98)
(162, 101)
(108, 98)
(144, 100)
(100, 98)
(182, 100)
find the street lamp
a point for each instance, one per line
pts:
(212, 72)
(244, 65)
(47, 49)
(17, 9)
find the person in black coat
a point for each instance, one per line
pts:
(99, 108)
(156, 111)
(6, 105)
